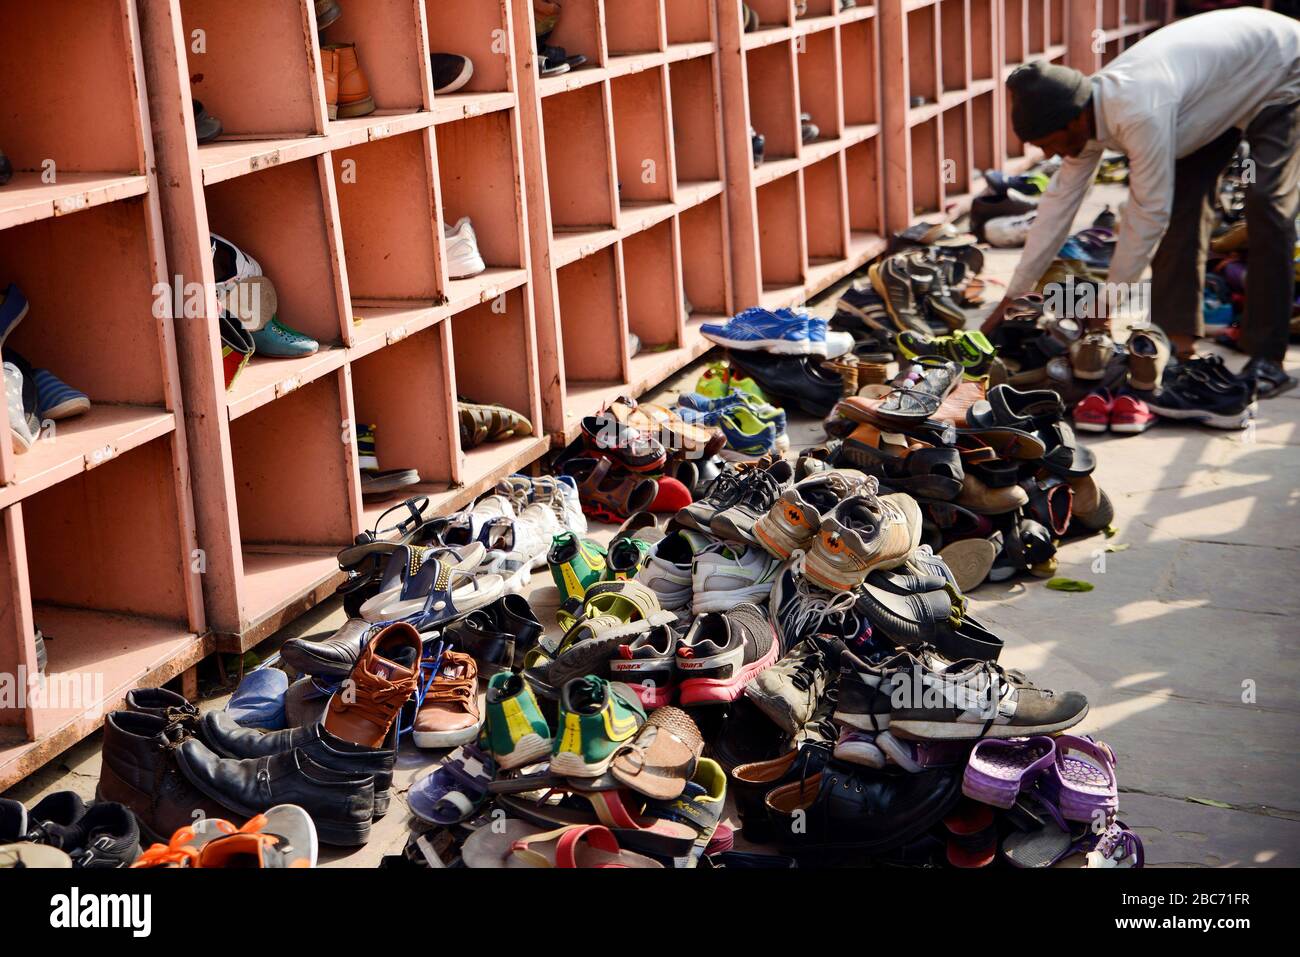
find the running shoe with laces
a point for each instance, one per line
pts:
(721, 494)
(789, 691)
(759, 488)
(801, 611)
(722, 652)
(667, 572)
(647, 665)
(863, 533)
(1195, 392)
(793, 520)
(596, 717)
(727, 573)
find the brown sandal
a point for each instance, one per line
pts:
(660, 760)
(607, 495)
(490, 423)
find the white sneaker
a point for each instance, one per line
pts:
(535, 527)
(515, 568)
(1009, 232)
(667, 573)
(487, 510)
(463, 257)
(726, 574)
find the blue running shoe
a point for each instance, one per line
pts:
(758, 329)
(55, 399)
(816, 328)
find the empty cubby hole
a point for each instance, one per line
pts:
(1133, 11)
(819, 82)
(927, 170)
(478, 168)
(1056, 22)
(689, 21)
(957, 152)
(111, 350)
(653, 283)
(862, 166)
(280, 217)
(1036, 38)
(109, 567)
(858, 64)
(984, 127)
(780, 233)
(773, 13)
(579, 31)
(773, 112)
(922, 79)
(1013, 145)
(1013, 32)
(403, 391)
(633, 26)
(17, 644)
(983, 45)
(705, 271)
(956, 44)
(251, 65)
(591, 319)
(386, 36)
(695, 120)
(492, 343)
(821, 8)
(641, 137)
(577, 134)
(386, 212)
(824, 212)
(476, 31)
(56, 114)
(1111, 12)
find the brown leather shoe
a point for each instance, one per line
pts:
(346, 91)
(371, 698)
(450, 713)
(983, 500)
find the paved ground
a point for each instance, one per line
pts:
(1186, 648)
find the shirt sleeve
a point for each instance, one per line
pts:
(1056, 212)
(1151, 145)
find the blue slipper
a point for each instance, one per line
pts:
(55, 399)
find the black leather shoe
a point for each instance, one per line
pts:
(1271, 378)
(499, 635)
(859, 809)
(341, 805)
(333, 658)
(798, 380)
(231, 740)
(751, 783)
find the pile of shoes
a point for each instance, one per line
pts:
(997, 473)
(736, 405)
(36, 399)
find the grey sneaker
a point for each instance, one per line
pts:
(789, 691)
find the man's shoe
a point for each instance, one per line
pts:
(789, 691)
(516, 732)
(1271, 378)
(722, 652)
(896, 280)
(647, 665)
(596, 718)
(162, 703)
(668, 571)
(451, 72)
(721, 494)
(759, 489)
(449, 714)
(576, 564)
(863, 533)
(347, 93)
(799, 381)
(332, 659)
(1190, 395)
(327, 12)
(758, 329)
(463, 256)
(384, 678)
(794, 519)
(725, 574)
(750, 784)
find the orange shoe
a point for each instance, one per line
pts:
(346, 91)
(282, 837)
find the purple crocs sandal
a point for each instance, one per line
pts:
(1081, 788)
(1117, 847)
(454, 790)
(999, 770)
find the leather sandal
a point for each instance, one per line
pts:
(606, 495)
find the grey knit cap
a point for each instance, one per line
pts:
(1045, 97)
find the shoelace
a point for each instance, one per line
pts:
(760, 490)
(811, 609)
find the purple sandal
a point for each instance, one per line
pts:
(1081, 788)
(455, 789)
(999, 770)
(1117, 847)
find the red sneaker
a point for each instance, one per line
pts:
(1093, 414)
(1130, 415)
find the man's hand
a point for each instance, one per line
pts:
(995, 318)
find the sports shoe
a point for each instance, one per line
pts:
(647, 665)
(737, 398)
(722, 652)
(794, 519)
(719, 379)
(596, 717)
(275, 340)
(801, 611)
(1009, 232)
(515, 731)
(759, 489)
(790, 335)
(862, 312)
(448, 714)
(971, 350)
(863, 533)
(725, 574)
(788, 692)
(667, 572)
(1192, 394)
(721, 494)
(450, 72)
(463, 257)
(576, 564)
(1093, 413)
(747, 435)
(893, 280)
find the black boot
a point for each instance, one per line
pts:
(333, 658)
(230, 740)
(162, 703)
(341, 805)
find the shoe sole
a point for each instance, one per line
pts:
(862, 722)
(1131, 428)
(569, 765)
(466, 74)
(471, 268)
(970, 561)
(720, 526)
(956, 731)
(1090, 426)
(868, 756)
(1235, 422)
(782, 347)
(530, 749)
(724, 601)
(725, 690)
(446, 739)
(353, 110)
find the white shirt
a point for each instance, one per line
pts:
(1161, 100)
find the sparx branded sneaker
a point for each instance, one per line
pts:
(863, 533)
(794, 519)
(647, 665)
(667, 572)
(576, 564)
(722, 652)
(596, 717)
(759, 488)
(726, 573)
(514, 729)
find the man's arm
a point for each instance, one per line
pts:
(1056, 212)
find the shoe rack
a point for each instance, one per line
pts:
(346, 217)
(625, 180)
(810, 213)
(97, 541)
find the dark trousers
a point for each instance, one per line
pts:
(1272, 203)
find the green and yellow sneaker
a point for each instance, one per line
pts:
(576, 565)
(596, 718)
(514, 729)
(972, 349)
(719, 380)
